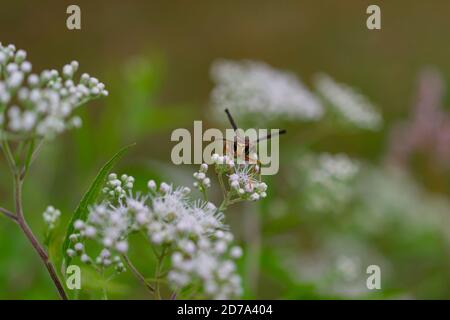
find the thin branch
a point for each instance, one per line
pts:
(32, 238)
(222, 184)
(8, 214)
(252, 224)
(137, 274)
(20, 219)
(174, 295)
(158, 272)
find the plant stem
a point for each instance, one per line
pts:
(222, 184)
(32, 238)
(158, 273)
(226, 201)
(204, 193)
(252, 224)
(104, 284)
(137, 274)
(174, 294)
(19, 218)
(8, 214)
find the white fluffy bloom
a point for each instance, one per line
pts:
(51, 217)
(107, 225)
(193, 229)
(45, 102)
(199, 244)
(210, 262)
(350, 104)
(112, 223)
(255, 88)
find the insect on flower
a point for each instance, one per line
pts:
(241, 147)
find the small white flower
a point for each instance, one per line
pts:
(107, 242)
(79, 246)
(70, 252)
(51, 217)
(105, 253)
(151, 185)
(203, 181)
(122, 246)
(164, 187)
(200, 175)
(157, 238)
(235, 184)
(79, 224)
(254, 197)
(221, 247)
(85, 258)
(236, 252)
(215, 157)
(90, 232)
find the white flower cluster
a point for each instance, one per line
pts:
(203, 182)
(167, 214)
(351, 105)
(328, 183)
(196, 233)
(244, 179)
(249, 88)
(223, 163)
(337, 167)
(116, 188)
(211, 260)
(107, 225)
(41, 104)
(193, 231)
(51, 217)
(246, 184)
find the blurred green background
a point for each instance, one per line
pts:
(154, 57)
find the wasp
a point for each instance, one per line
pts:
(241, 147)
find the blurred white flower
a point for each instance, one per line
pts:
(51, 217)
(255, 88)
(335, 167)
(351, 105)
(210, 262)
(327, 181)
(348, 267)
(45, 102)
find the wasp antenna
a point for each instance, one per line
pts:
(269, 136)
(233, 124)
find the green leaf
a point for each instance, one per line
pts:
(88, 199)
